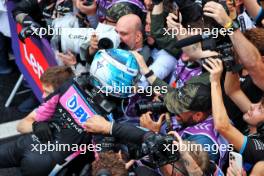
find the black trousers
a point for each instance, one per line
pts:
(5, 46)
(22, 153)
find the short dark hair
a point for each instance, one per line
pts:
(111, 162)
(256, 37)
(56, 76)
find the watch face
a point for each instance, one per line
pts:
(235, 25)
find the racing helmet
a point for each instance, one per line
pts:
(115, 72)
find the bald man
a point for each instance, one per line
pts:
(129, 27)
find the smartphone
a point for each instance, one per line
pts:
(237, 159)
(176, 11)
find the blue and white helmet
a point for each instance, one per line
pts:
(115, 72)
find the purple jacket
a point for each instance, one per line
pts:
(206, 128)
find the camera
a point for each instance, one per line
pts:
(224, 48)
(156, 107)
(154, 145)
(71, 39)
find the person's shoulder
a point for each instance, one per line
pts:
(200, 139)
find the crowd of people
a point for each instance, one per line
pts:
(133, 73)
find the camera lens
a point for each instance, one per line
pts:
(105, 43)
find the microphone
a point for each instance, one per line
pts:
(191, 40)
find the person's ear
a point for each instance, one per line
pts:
(139, 37)
(185, 57)
(198, 117)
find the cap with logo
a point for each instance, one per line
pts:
(194, 96)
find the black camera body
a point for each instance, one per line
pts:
(154, 145)
(227, 56)
(224, 48)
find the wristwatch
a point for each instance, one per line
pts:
(149, 74)
(233, 25)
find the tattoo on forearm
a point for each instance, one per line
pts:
(195, 46)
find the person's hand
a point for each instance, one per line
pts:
(42, 131)
(176, 135)
(217, 12)
(141, 62)
(129, 164)
(97, 124)
(88, 10)
(147, 122)
(93, 44)
(234, 171)
(172, 22)
(68, 59)
(178, 142)
(215, 67)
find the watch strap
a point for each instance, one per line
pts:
(149, 74)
